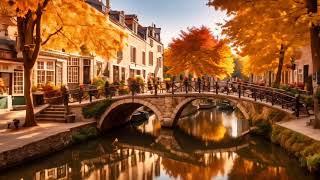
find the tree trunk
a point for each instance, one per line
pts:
(280, 65)
(30, 117)
(315, 49)
(312, 6)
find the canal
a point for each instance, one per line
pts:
(207, 145)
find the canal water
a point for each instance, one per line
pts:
(207, 145)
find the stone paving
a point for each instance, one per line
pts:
(300, 126)
(13, 139)
(6, 116)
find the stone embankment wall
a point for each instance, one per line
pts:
(41, 148)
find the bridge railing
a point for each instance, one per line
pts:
(238, 89)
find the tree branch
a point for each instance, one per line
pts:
(50, 35)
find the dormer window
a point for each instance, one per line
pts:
(135, 27)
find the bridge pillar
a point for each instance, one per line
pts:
(167, 110)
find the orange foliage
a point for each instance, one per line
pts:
(196, 51)
(259, 28)
(69, 24)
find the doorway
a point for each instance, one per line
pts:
(86, 71)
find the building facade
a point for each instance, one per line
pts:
(141, 56)
(296, 73)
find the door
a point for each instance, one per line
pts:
(59, 74)
(86, 71)
(305, 73)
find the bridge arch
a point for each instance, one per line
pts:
(180, 107)
(120, 111)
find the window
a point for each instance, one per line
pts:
(116, 74)
(134, 27)
(144, 74)
(99, 68)
(131, 73)
(133, 54)
(59, 73)
(106, 71)
(18, 82)
(151, 58)
(159, 49)
(159, 62)
(123, 74)
(144, 58)
(73, 70)
(151, 42)
(120, 55)
(45, 72)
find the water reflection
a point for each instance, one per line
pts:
(214, 125)
(149, 152)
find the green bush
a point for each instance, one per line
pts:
(84, 135)
(96, 110)
(99, 82)
(308, 100)
(123, 91)
(313, 162)
(303, 147)
(264, 128)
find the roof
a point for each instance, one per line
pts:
(8, 45)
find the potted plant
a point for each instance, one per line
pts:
(134, 85)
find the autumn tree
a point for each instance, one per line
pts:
(305, 13)
(271, 34)
(58, 24)
(197, 52)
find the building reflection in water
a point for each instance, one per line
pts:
(128, 164)
(140, 154)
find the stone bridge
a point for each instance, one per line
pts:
(168, 107)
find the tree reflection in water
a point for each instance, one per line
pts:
(141, 155)
(213, 125)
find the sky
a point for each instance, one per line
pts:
(172, 15)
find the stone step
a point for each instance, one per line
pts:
(53, 112)
(50, 115)
(55, 109)
(57, 106)
(60, 120)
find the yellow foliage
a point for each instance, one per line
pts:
(259, 28)
(71, 24)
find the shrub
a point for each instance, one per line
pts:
(96, 110)
(123, 91)
(135, 84)
(264, 128)
(313, 162)
(50, 90)
(84, 135)
(307, 99)
(99, 82)
(303, 147)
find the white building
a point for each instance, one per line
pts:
(142, 55)
(143, 51)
